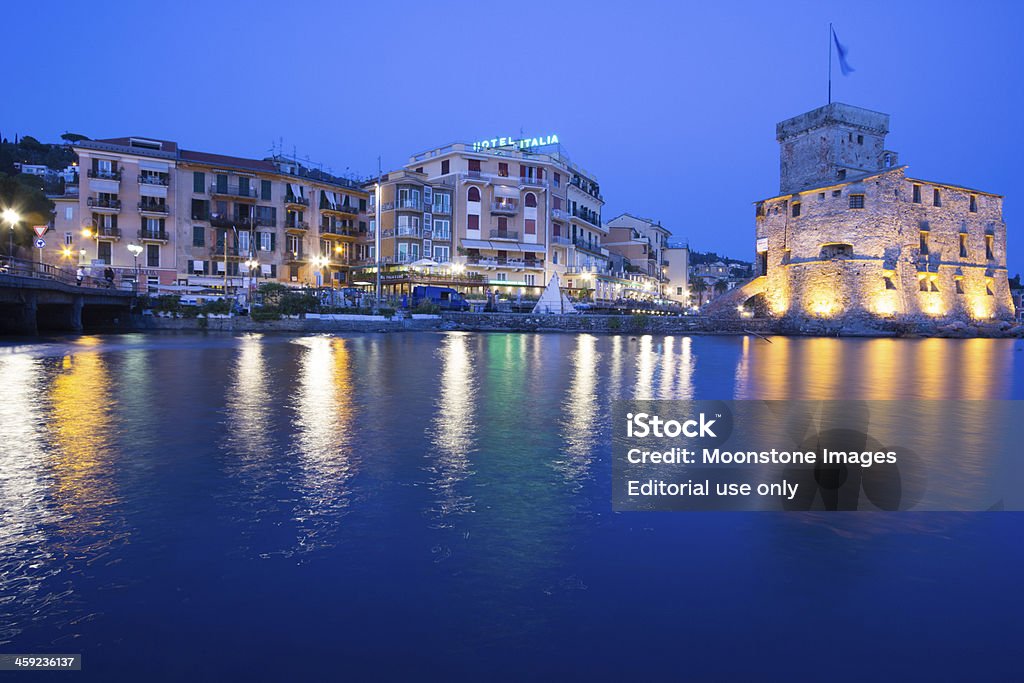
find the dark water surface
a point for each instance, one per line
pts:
(438, 506)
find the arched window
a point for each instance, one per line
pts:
(531, 199)
(474, 194)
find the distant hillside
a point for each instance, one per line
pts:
(702, 257)
(28, 150)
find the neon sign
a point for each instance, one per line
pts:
(520, 143)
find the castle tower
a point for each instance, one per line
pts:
(830, 144)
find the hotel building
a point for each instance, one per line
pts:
(852, 233)
(517, 216)
(206, 219)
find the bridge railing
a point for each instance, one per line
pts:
(44, 271)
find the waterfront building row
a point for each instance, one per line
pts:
(206, 220)
(505, 218)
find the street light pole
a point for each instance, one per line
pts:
(12, 217)
(135, 250)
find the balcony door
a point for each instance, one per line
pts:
(103, 251)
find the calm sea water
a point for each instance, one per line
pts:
(437, 506)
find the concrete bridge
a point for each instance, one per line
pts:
(37, 297)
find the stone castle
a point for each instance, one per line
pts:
(852, 236)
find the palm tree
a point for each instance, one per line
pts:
(721, 287)
(699, 287)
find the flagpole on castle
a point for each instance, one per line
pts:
(830, 62)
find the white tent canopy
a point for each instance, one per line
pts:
(553, 300)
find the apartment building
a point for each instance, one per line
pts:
(207, 220)
(641, 240)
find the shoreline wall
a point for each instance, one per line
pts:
(598, 324)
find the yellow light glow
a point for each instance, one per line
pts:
(11, 216)
(823, 308)
(86, 232)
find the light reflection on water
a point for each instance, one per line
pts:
(24, 549)
(467, 468)
(323, 428)
(454, 424)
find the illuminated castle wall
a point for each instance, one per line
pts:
(853, 234)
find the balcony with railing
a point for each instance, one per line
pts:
(409, 205)
(295, 225)
(584, 214)
(157, 235)
(531, 181)
(585, 186)
(439, 236)
(505, 208)
(442, 209)
(111, 232)
(499, 234)
(331, 230)
(104, 205)
(560, 214)
(292, 200)
(219, 251)
(504, 262)
(561, 241)
(339, 208)
(237, 221)
(160, 208)
(588, 245)
(159, 179)
(402, 231)
(100, 174)
(234, 191)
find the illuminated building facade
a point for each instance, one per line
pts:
(518, 214)
(206, 219)
(852, 234)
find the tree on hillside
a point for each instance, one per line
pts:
(23, 194)
(74, 137)
(31, 144)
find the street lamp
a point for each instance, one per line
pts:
(321, 262)
(136, 249)
(12, 217)
(253, 266)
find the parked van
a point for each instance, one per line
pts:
(445, 297)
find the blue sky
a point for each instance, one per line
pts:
(671, 105)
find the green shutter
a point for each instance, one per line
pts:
(265, 190)
(273, 241)
(198, 181)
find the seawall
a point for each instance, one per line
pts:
(599, 324)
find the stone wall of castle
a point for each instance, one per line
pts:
(876, 245)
